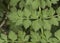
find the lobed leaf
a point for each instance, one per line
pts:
(12, 36)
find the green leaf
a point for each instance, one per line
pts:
(39, 12)
(47, 25)
(13, 16)
(58, 18)
(21, 35)
(20, 19)
(35, 37)
(53, 40)
(20, 13)
(54, 21)
(35, 25)
(13, 9)
(27, 13)
(54, 1)
(28, 2)
(14, 2)
(47, 34)
(43, 3)
(35, 4)
(1, 41)
(21, 4)
(48, 2)
(3, 36)
(26, 38)
(34, 15)
(19, 22)
(26, 23)
(57, 34)
(44, 13)
(51, 12)
(41, 23)
(43, 41)
(58, 10)
(48, 13)
(12, 36)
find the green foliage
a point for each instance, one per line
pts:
(30, 21)
(57, 34)
(12, 36)
(35, 25)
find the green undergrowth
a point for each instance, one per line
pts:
(30, 21)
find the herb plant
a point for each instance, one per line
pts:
(34, 21)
